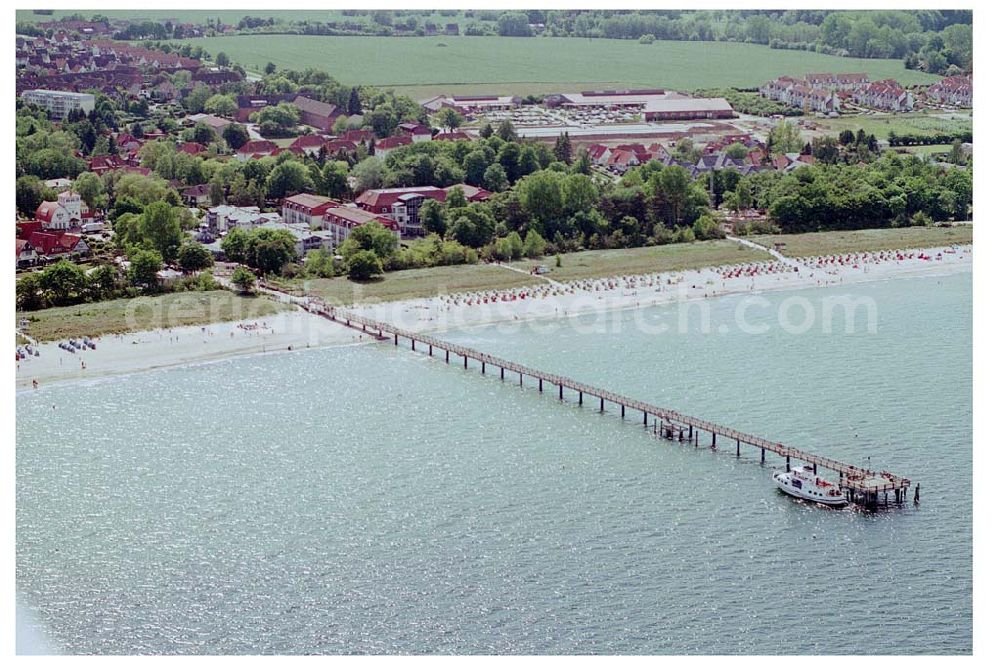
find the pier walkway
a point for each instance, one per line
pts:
(861, 485)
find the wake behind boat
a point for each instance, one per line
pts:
(804, 483)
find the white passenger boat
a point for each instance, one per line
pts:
(802, 482)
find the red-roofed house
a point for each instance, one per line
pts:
(317, 114)
(305, 209)
(198, 195)
(102, 164)
(598, 153)
(384, 146)
(452, 136)
(416, 131)
(473, 193)
(334, 146)
(26, 254)
(66, 212)
(308, 144)
(191, 148)
(887, 95)
(58, 245)
(340, 220)
(127, 142)
(357, 135)
(256, 149)
(402, 204)
(954, 90)
(622, 159)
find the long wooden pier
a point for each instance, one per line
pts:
(861, 485)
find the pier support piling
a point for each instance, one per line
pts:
(713, 440)
(501, 373)
(762, 455)
(560, 392)
(737, 448)
(580, 399)
(788, 463)
(602, 404)
(623, 411)
(483, 370)
(466, 362)
(413, 345)
(539, 384)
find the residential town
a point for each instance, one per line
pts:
(317, 161)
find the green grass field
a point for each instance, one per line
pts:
(123, 315)
(933, 149)
(867, 240)
(636, 261)
(423, 65)
(901, 123)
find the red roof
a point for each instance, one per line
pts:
(596, 150)
(414, 128)
(350, 217)
(258, 147)
(452, 136)
(393, 142)
(48, 243)
(28, 227)
(46, 210)
(374, 199)
(191, 148)
(357, 135)
(311, 203)
(336, 145)
(308, 141)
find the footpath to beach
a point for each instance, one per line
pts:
(296, 330)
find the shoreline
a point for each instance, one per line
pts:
(129, 353)
(576, 298)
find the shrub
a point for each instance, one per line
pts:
(363, 265)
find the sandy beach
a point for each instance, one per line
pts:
(295, 330)
(611, 294)
(147, 350)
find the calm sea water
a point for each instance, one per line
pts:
(370, 500)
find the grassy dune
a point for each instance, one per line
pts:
(416, 283)
(635, 261)
(867, 240)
